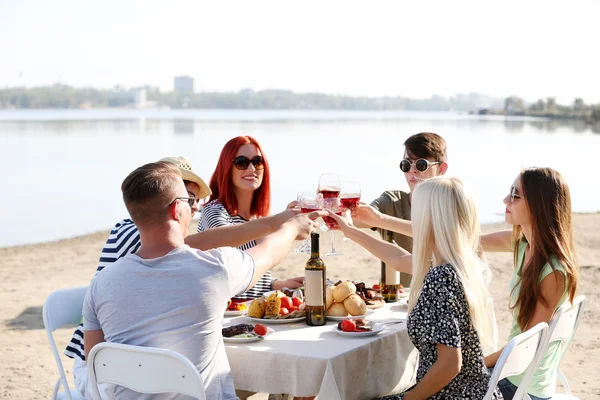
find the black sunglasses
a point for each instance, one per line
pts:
(242, 162)
(421, 164)
(190, 200)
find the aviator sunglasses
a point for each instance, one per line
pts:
(242, 162)
(190, 200)
(421, 164)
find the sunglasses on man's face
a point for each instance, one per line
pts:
(190, 200)
(514, 195)
(242, 162)
(421, 164)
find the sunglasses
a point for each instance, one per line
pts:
(190, 200)
(242, 162)
(514, 195)
(421, 164)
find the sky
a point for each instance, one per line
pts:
(532, 49)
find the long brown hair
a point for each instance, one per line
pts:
(548, 200)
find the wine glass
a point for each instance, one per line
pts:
(308, 202)
(349, 197)
(329, 187)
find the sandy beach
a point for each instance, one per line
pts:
(28, 274)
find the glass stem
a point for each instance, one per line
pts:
(332, 242)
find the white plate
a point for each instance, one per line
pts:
(376, 329)
(403, 301)
(235, 313)
(247, 339)
(277, 321)
(333, 318)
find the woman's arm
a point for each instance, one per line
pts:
(393, 255)
(441, 373)
(497, 241)
(368, 216)
(552, 288)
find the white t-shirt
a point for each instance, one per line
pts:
(174, 302)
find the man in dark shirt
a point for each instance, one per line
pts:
(424, 158)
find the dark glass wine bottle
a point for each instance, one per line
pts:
(390, 278)
(314, 285)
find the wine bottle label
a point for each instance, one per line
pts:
(313, 288)
(392, 277)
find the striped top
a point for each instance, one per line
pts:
(123, 239)
(213, 215)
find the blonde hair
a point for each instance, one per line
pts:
(446, 226)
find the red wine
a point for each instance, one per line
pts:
(330, 193)
(332, 223)
(350, 202)
(307, 210)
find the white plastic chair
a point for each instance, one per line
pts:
(563, 325)
(523, 353)
(63, 307)
(143, 369)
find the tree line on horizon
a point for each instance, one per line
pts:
(68, 97)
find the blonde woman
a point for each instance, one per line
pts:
(447, 319)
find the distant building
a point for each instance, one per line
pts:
(184, 84)
(139, 98)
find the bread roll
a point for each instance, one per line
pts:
(355, 305)
(337, 310)
(329, 297)
(343, 290)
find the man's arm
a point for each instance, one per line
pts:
(90, 339)
(274, 247)
(237, 235)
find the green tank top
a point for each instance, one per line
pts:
(543, 383)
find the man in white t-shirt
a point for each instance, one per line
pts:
(168, 295)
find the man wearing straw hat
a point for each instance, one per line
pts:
(124, 239)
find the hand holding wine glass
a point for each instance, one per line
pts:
(350, 194)
(343, 220)
(308, 202)
(329, 187)
(366, 214)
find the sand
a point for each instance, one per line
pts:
(28, 274)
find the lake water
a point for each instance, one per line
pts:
(62, 169)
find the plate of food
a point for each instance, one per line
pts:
(277, 308)
(343, 301)
(403, 292)
(358, 328)
(341, 318)
(235, 309)
(243, 333)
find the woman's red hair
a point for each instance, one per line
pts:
(221, 183)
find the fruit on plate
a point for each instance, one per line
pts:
(348, 325)
(286, 302)
(260, 329)
(274, 307)
(296, 301)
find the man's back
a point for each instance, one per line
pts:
(174, 302)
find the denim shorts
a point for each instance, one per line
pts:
(508, 391)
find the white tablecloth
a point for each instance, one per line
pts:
(305, 361)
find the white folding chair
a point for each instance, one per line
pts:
(143, 369)
(523, 353)
(563, 326)
(63, 307)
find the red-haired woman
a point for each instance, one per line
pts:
(241, 194)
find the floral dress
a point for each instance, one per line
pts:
(441, 315)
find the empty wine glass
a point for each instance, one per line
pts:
(308, 202)
(329, 188)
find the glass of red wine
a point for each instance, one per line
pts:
(308, 202)
(329, 188)
(349, 196)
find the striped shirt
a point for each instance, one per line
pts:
(213, 215)
(123, 239)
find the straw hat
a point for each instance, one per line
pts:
(185, 166)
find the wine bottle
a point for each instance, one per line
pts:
(314, 285)
(390, 278)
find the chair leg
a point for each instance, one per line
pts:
(55, 390)
(563, 381)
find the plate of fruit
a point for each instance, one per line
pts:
(242, 333)
(235, 309)
(277, 308)
(358, 328)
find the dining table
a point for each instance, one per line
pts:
(302, 360)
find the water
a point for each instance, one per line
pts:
(62, 169)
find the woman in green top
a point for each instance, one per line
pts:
(545, 274)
